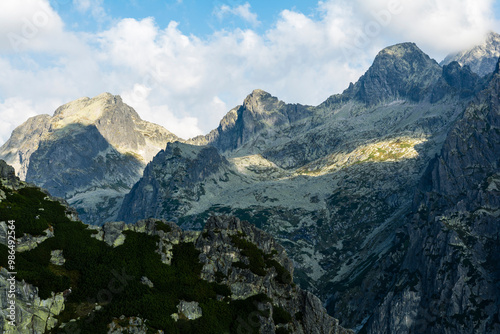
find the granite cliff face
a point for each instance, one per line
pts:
(230, 277)
(448, 281)
(333, 183)
(90, 152)
(481, 58)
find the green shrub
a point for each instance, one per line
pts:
(282, 330)
(280, 315)
(161, 226)
(253, 253)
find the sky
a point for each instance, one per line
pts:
(184, 64)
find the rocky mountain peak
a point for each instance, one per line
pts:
(399, 71)
(481, 58)
(260, 101)
(90, 110)
(259, 112)
(406, 58)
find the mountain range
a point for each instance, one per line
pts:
(385, 197)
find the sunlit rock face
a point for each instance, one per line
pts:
(90, 152)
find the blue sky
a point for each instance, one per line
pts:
(185, 63)
(196, 17)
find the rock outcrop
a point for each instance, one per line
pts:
(33, 314)
(224, 242)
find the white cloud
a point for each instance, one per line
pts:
(94, 7)
(437, 26)
(242, 11)
(11, 111)
(160, 114)
(187, 84)
(29, 25)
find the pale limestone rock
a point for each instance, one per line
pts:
(33, 315)
(57, 258)
(189, 310)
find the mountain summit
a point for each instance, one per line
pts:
(481, 58)
(259, 112)
(90, 152)
(399, 71)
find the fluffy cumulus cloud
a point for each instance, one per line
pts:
(186, 83)
(437, 26)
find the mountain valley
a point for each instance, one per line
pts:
(385, 197)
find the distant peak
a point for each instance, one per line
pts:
(406, 58)
(113, 99)
(398, 71)
(260, 101)
(492, 36)
(88, 110)
(481, 58)
(401, 50)
(258, 94)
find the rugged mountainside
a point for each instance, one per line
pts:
(481, 58)
(402, 71)
(333, 184)
(90, 152)
(449, 278)
(185, 170)
(259, 112)
(150, 276)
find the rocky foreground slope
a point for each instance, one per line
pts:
(146, 277)
(90, 152)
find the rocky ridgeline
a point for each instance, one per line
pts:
(227, 262)
(173, 182)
